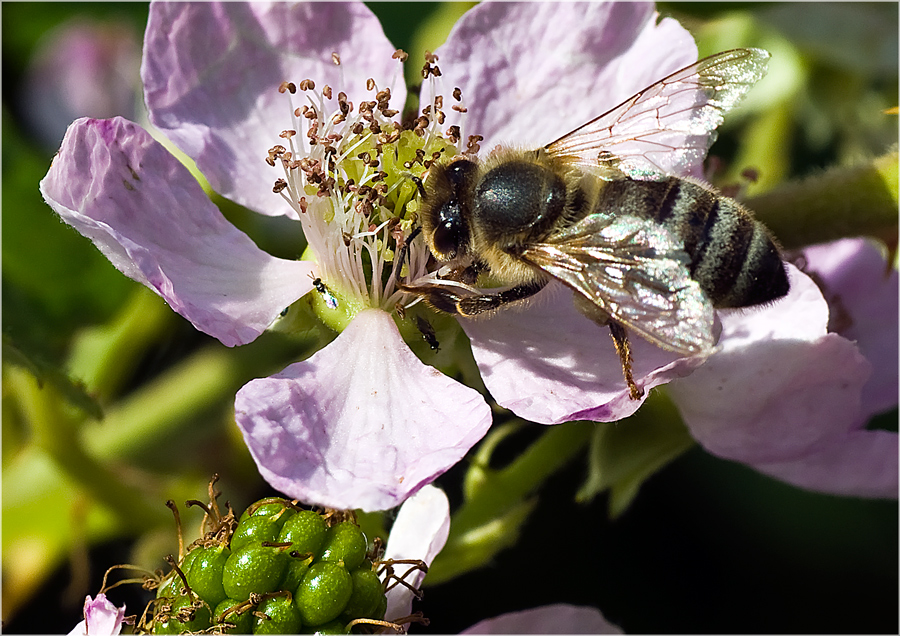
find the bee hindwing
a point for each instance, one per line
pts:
(637, 272)
(664, 129)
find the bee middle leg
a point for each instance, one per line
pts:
(620, 340)
(452, 300)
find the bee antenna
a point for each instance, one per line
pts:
(404, 249)
(418, 183)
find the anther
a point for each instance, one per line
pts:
(457, 94)
(287, 86)
(307, 85)
(401, 55)
(326, 91)
(460, 109)
(287, 134)
(336, 59)
(280, 184)
(370, 84)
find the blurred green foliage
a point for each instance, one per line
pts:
(113, 404)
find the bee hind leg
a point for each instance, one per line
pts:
(623, 348)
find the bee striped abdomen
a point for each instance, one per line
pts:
(732, 256)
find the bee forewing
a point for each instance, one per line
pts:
(665, 128)
(636, 271)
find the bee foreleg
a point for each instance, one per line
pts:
(452, 300)
(474, 305)
(623, 348)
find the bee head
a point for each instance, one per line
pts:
(445, 207)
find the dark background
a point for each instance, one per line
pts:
(707, 547)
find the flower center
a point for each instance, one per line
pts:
(352, 174)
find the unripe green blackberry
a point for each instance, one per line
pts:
(187, 614)
(205, 572)
(243, 622)
(346, 543)
(254, 568)
(306, 530)
(324, 593)
(366, 597)
(282, 617)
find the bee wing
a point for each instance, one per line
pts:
(637, 272)
(665, 128)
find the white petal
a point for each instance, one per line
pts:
(419, 532)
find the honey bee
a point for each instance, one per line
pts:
(600, 210)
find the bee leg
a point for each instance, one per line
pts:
(450, 301)
(444, 299)
(620, 340)
(623, 348)
(474, 305)
(404, 249)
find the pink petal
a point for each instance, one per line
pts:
(531, 72)
(862, 293)
(101, 618)
(211, 74)
(550, 619)
(860, 464)
(779, 387)
(549, 364)
(419, 532)
(362, 423)
(142, 208)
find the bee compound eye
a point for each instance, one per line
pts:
(459, 171)
(446, 239)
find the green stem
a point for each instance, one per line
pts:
(162, 409)
(55, 432)
(841, 202)
(103, 356)
(489, 520)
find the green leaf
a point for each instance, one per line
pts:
(624, 454)
(73, 391)
(475, 547)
